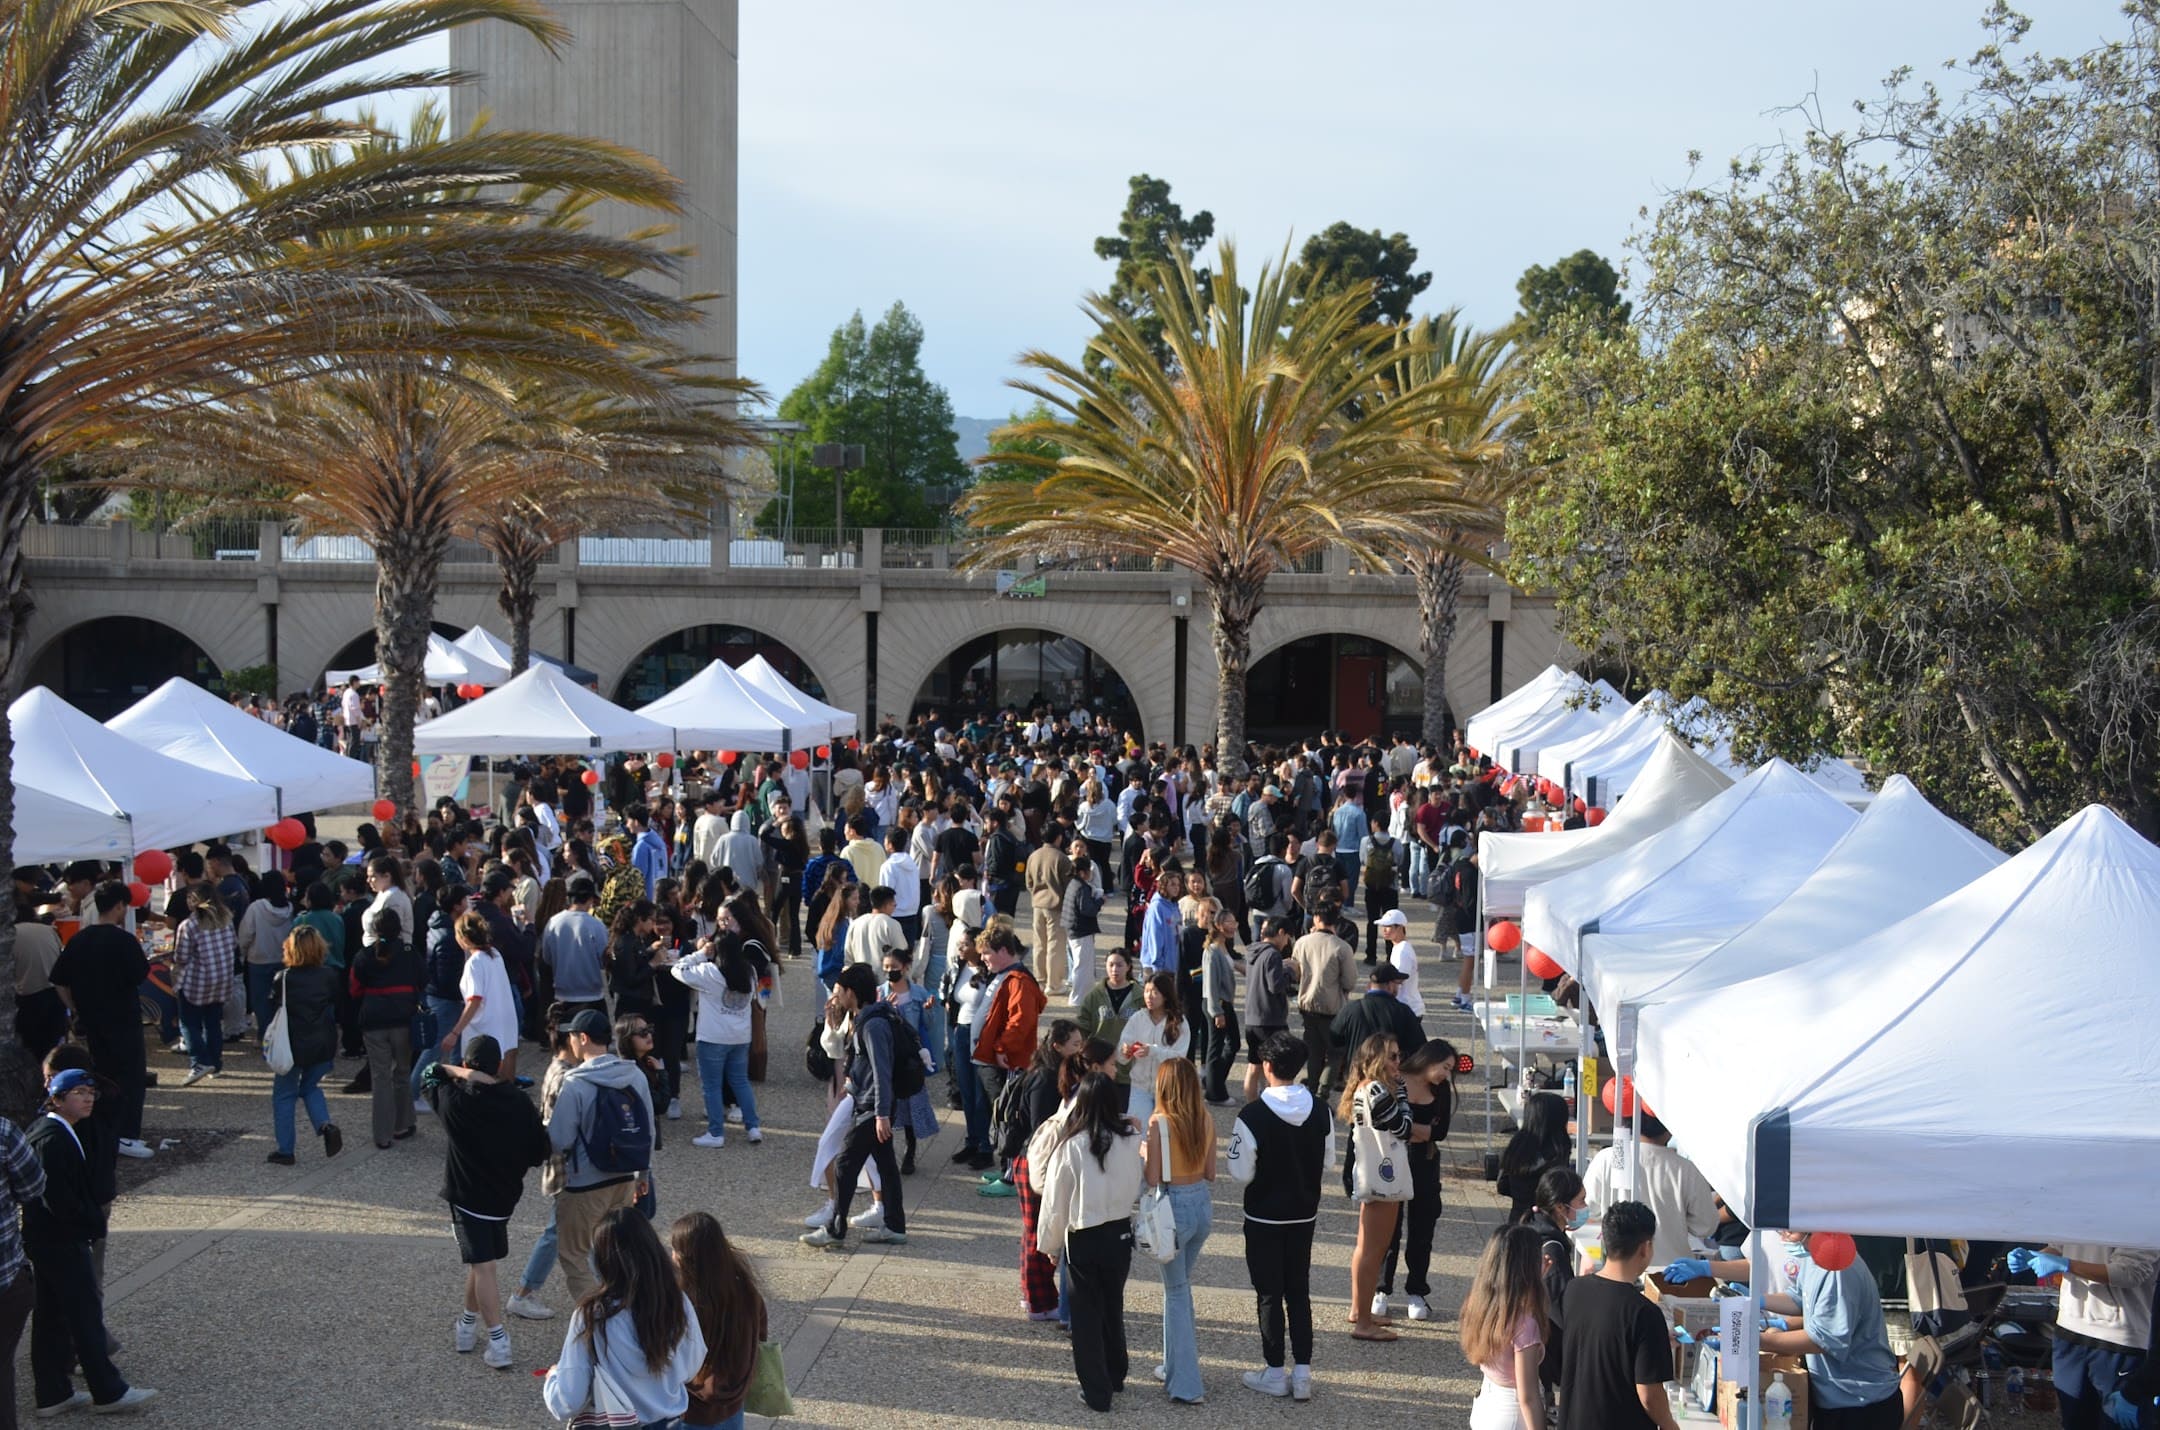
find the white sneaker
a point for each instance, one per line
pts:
(420, 1105)
(1379, 1305)
(497, 1354)
(756, 1134)
(134, 1398)
(467, 1333)
(1161, 1373)
(674, 1109)
(530, 1307)
(1420, 1309)
(709, 1139)
(819, 1217)
(132, 1147)
(1271, 1381)
(195, 1075)
(864, 1221)
(62, 1407)
(1301, 1382)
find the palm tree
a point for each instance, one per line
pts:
(137, 277)
(1268, 433)
(1471, 448)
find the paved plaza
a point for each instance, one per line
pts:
(260, 1296)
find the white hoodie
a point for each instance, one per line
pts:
(1293, 1103)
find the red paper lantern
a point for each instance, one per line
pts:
(1505, 936)
(1832, 1250)
(665, 759)
(1580, 806)
(153, 866)
(416, 769)
(729, 757)
(384, 811)
(1594, 815)
(1619, 1095)
(800, 759)
(1470, 751)
(1541, 964)
(590, 777)
(824, 752)
(139, 895)
(853, 743)
(287, 834)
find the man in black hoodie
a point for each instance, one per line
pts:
(495, 1137)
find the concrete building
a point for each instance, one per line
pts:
(882, 627)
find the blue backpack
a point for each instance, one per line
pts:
(617, 1135)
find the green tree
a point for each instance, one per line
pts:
(1580, 289)
(1883, 476)
(1153, 233)
(1340, 255)
(1263, 436)
(871, 390)
(1014, 457)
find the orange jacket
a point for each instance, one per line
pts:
(1006, 1037)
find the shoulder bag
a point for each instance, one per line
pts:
(768, 1394)
(1155, 1225)
(606, 1407)
(1383, 1164)
(276, 1040)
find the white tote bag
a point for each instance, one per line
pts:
(277, 1043)
(1155, 1225)
(1383, 1162)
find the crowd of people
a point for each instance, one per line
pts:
(633, 917)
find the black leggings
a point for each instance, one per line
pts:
(1422, 1215)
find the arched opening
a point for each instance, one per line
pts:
(668, 662)
(1022, 670)
(1360, 686)
(103, 666)
(359, 652)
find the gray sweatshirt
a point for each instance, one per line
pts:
(574, 1103)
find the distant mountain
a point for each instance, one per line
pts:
(974, 434)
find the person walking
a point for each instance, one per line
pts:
(1280, 1150)
(1155, 1034)
(870, 1083)
(1219, 1004)
(1179, 1154)
(100, 974)
(1374, 1105)
(911, 1004)
(602, 1123)
(60, 1221)
(1093, 1178)
(494, 1137)
(204, 958)
(1327, 978)
(385, 981)
(1503, 1331)
(525, 1301)
(1428, 1082)
(723, 1290)
(1269, 982)
(1043, 1092)
(491, 1003)
(1394, 927)
(635, 1330)
(307, 991)
(726, 990)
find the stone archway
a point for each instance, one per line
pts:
(107, 663)
(1024, 667)
(675, 657)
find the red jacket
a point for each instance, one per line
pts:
(1007, 1035)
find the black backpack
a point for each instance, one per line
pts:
(1009, 1124)
(816, 1061)
(1260, 884)
(617, 1134)
(907, 1068)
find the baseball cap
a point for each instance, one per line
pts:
(67, 1080)
(1387, 973)
(591, 1022)
(1392, 919)
(483, 1055)
(1271, 789)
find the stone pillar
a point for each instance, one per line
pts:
(723, 533)
(872, 558)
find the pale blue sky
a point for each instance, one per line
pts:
(962, 155)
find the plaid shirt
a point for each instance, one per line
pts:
(206, 958)
(24, 1176)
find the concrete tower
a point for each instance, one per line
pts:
(655, 75)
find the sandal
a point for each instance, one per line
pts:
(1380, 1333)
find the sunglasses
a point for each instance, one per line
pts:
(641, 1032)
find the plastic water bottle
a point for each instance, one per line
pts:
(2014, 1385)
(1567, 1085)
(1777, 1404)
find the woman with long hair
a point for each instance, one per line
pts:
(1541, 1141)
(1044, 1087)
(1503, 1331)
(1561, 1207)
(261, 936)
(1374, 1098)
(1225, 865)
(1181, 1132)
(634, 952)
(726, 983)
(1153, 1036)
(841, 906)
(966, 980)
(385, 982)
(1428, 1082)
(730, 1305)
(1089, 1187)
(636, 1325)
(307, 991)
(204, 951)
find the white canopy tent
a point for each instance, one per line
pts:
(1926, 1082)
(1723, 865)
(1676, 782)
(488, 646)
(716, 709)
(161, 801)
(1603, 775)
(446, 664)
(1901, 855)
(1602, 709)
(1641, 723)
(49, 829)
(1521, 701)
(759, 672)
(187, 722)
(542, 712)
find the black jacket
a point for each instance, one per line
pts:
(310, 997)
(386, 980)
(69, 1214)
(495, 1137)
(1378, 1012)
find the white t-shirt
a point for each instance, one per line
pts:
(349, 708)
(487, 978)
(1405, 958)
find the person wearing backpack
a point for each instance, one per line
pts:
(603, 1126)
(1082, 920)
(872, 1082)
(1383, 870)
(1012, 1008)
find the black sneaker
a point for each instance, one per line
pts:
(282, 1159)
(333, 1141)
(907, 1165)
(965, 1154)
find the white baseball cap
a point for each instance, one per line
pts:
(1392, 919)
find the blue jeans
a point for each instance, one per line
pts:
(542, 1260)
(203, 1026)
(437, 1016)
(260, 978)
(725, 1064)
(974, 1103)
(301, 1084)
(1195, 1215)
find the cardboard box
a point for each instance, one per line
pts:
(1657, 1288)
(1795, 1372)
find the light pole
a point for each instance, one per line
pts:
(840, 458)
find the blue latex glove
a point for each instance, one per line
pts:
(2047, 1263)
(1680, 1334)
(1687, 1268)
(1771, 1320)
(2121, 1411)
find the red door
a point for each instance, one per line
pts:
(1360, 696)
